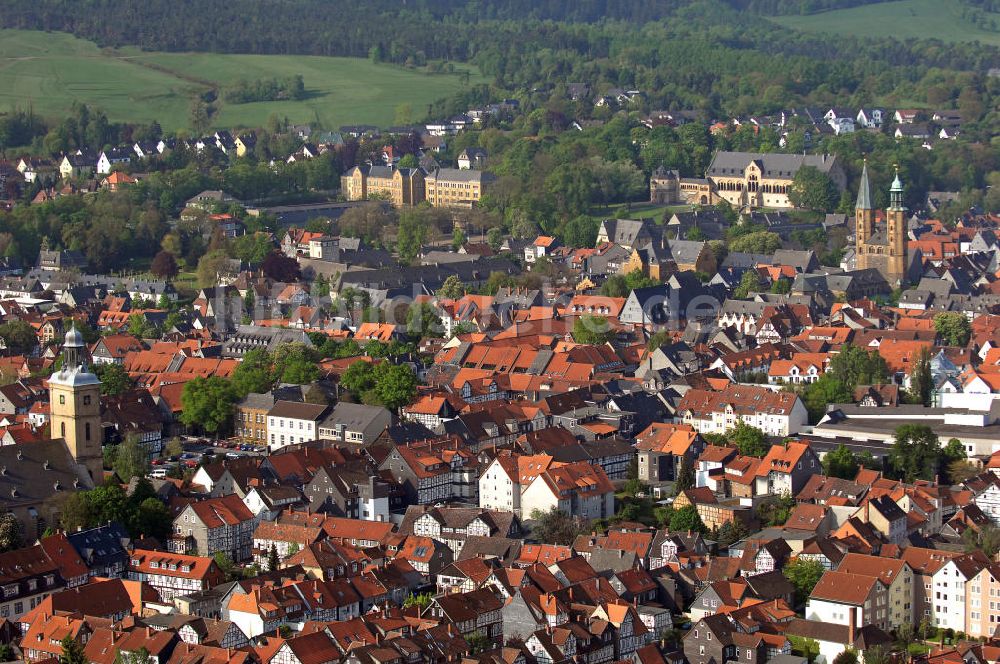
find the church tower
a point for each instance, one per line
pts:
(895, 216)
(75, 406)
(864, 218)
(863, 211)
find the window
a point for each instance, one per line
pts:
(62, 398)
(86, 400)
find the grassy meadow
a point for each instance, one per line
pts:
(49, 71)
(902, 19)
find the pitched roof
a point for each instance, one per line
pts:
(844, 588)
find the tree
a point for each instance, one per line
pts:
(321, 286)
(749, 283)
(685, 476)
(457, 239)
(395, 384)
(272, 559)
(423, 600)
(19, 337)
(254, 374)
(687, 519)
(960, 470)
(358, 378)
(209, 267)
(757, 242)
(109, 503)
(921, 379)
(408, 161)
(840, 463)
(494, 238)
(750, 440)
(804, 574)
(855, 366)
(10, 532)
(808, 648)
(775, 512)
(200, 116)
(876, 655)
(846, 656)
(140, 656)
(953, 328)
(72, 651)
(130, 459)
(555, 526)
(452, 288)
(904, 636)
(954, 450)
(478, 642)
(207, 403)
(115, 381)
(730, 532)
(422, 321)
(164, 265)
(226, 565)
(592, 330)
(75, 512)
(411, 235)
(916, 453)
(814, 190)
(280, 267)
(985, 539)
(152, 518)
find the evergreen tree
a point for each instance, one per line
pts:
(72, 652)
(272, 559)
(685, 476)
(921, 379)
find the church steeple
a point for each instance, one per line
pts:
(864, 191)
(73, 347)
(896, 193)
(864, 214)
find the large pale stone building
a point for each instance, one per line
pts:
(755, 180)
(745, 179)
(456, 188)
(400, 186)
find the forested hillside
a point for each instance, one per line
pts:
(684, 53)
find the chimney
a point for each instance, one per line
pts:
(852, 625)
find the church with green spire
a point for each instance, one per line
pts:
(881, 246)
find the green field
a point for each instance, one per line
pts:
(903, 19)
(49, 71)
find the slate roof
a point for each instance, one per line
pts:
(773, 165)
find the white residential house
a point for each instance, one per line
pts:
(871, 118)
(500, 486)
(292, 422)
(948, 591)
(577, 489)
(110, 158)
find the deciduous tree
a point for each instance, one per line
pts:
(164, 265)
(207, 404)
